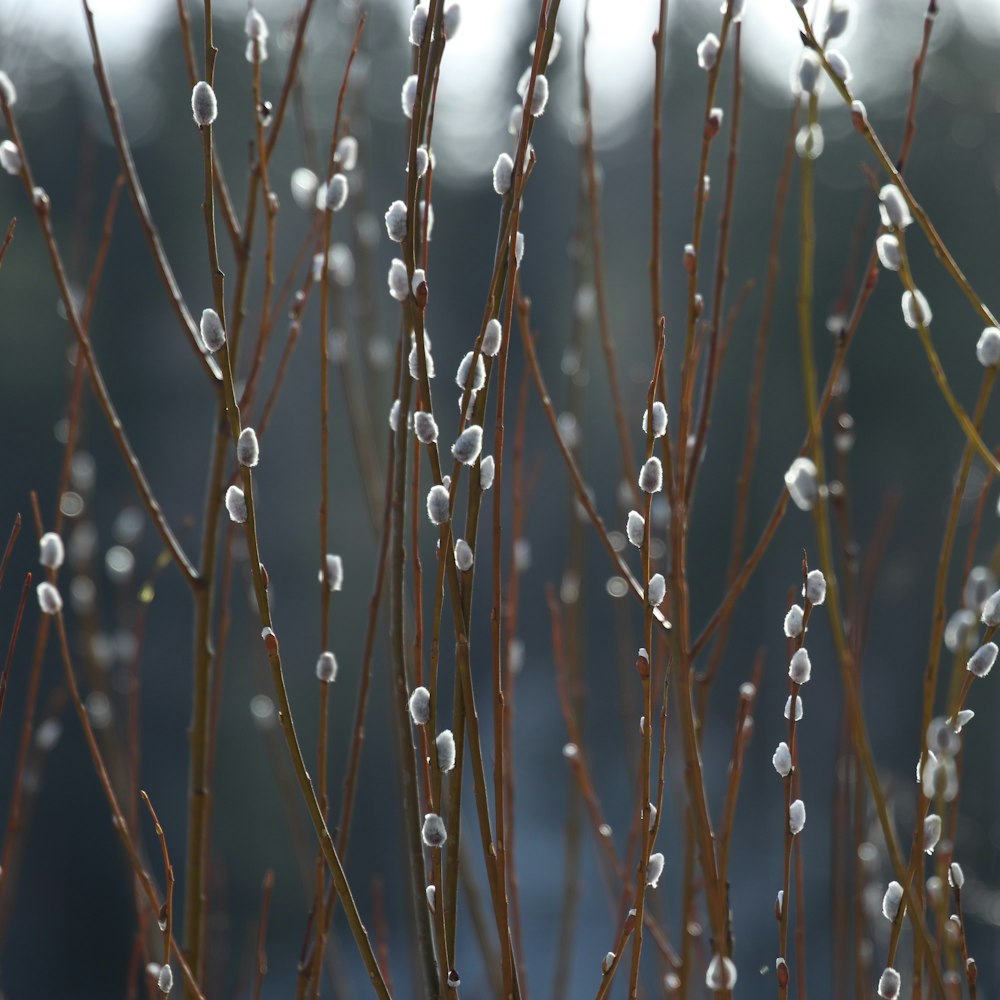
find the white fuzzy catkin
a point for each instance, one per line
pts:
(423, 161)
(800, 668)
(492, 338)
(932, 832)
(654, 869)
(465, 366)
(7, 90)
(326, 667)
(425, 426)
(430, 892)
(395, 221)
(419, 278)
(445, 744)
(794, 622)
(437, 505)
(334, 194)
(988, 347)
(916, 309)
(839, 65)
(408, 95)
(49, 599)
(659, 420)
(889, 983)
(721, 973)
(165, 980)
(540, 96)
(487, 470)
(657, 589)
(782, 760)
(204, 106)
(434, 833)
(347, 152)
(990, 616)
(893, 209)
(503, 171)
(800, 480)
(212, 333)
(303, 184)
(796, 817)
(607, 962)
(809, 72)
(334, 572)
(859, 113)
(635, 528)
(468, 444)
(419, 706)
(838, 20)
(399, 285)
(708, 51)
(10, 157)
(982, 660)
(887, 247)
(810, 142)
(651, 476)
(247, 448)
(963, 719)
(814, 589)
(891, 900)
(463, 555)
(956, 877)
(418, 23)
(236, 505)
(452, 19)
(51, 552)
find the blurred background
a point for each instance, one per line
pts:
(65, 912)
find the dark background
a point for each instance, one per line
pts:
(69, 931)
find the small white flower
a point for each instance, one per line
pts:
(408, 95)
(437, 505)
(654, 869)
(49, 598)
(463, 555)
(420, 706)
(659, 420)
(540, 96)
(891, 900)
(988, 347)
(721, 973)
(982, 660)
(212, 333)
(708, 51)
(399, 286)
(492, 338)
(478, 378)
(651, 476)
(236, 505)
(894, 210)
(888, 252)
(814, 589)
(51, 551)
(326, 667)
(395, 221)
(635, 528)
(487, 470)
(796, 817)
(794, 622)
(204, 106)
(10, 157)
(468, 444)
(434, 834)
(445, 744)
(503, 171)
(247, 448)
(782, 760)
(657, 589)
(839, 65)
(916, 310)
(800, 480)
(418, 23)
(888, 984)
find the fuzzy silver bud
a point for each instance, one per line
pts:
(438, 505)
(982, 660)
(236, 505)
(204, 106)
(887, 247)
(487, 471)
(654, 869)
(651, 476)
(418, 23)
(988, 347)
(708, 51)
(434, 833)
(465, 366)
(10, 157)
(916, 309)
(463, 555)
(889, 983)
(796, 817)
(212, 333)
(956, 877)
(445, 744)
(782, 760)
(7, 90)
(814, 589)
(659, 420)
(425, 426)
(395, 221)
(932, 832)
(894, 210)
(891, 901)
(492, 338)
(721, 973)
(326, 667)
(657, 589)
(247, 448)
(165, 979)
(839, 66)
(794, 622)
(503, 171)
(419, 706)
(49, 598)
(468, 444)
(540, 96)
(800, 480)
(408, 95)
(51, 552)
